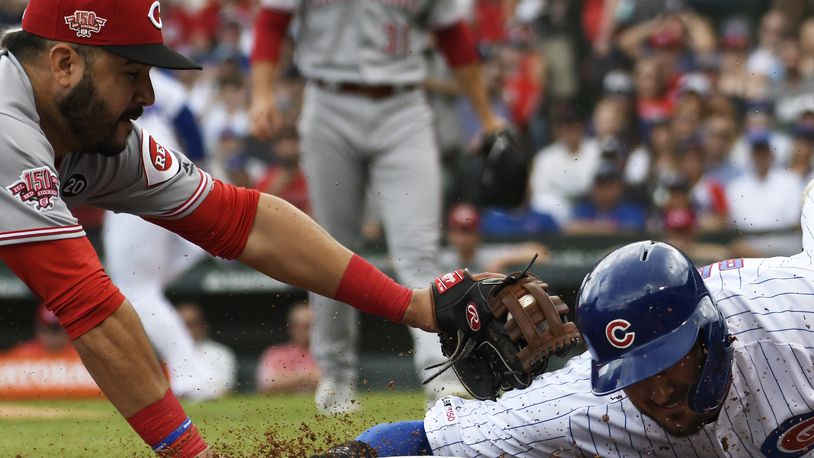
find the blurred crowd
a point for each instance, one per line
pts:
(642, 116)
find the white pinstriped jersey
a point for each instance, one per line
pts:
(769, 410)
(35, 194)
(366, 41)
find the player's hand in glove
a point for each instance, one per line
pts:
(505, 171)
(498, 333)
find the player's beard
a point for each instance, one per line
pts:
(91, 119)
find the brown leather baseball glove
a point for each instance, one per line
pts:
(499, 333)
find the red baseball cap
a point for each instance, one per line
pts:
(679, 220)
(127, 28)
(464, 217)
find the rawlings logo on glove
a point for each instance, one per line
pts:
(499, 333)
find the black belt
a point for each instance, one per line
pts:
(373, 91)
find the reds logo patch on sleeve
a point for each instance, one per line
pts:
(160, 163)
(36, 187)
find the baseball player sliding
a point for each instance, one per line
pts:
(716, 361)
(366, 123)
(74, 78)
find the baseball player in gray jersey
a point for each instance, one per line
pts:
(366, 124)
(681, 362)
(74, 78)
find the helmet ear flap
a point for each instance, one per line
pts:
(709, 392)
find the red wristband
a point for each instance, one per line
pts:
(366, 288)
(165, 427)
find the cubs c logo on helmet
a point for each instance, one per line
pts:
(615, 332)
(472, 317)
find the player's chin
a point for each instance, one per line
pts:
(680, 426)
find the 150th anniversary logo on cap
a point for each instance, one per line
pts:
(85, 23)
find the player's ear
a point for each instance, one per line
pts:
(66, 65)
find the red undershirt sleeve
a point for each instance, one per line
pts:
(457, 44)
(68, 277)
(270, 29)
(222, 222)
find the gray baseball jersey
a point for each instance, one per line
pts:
(367, 41)
(38, 190)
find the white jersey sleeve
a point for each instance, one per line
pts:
(557, 415)
(147, 179)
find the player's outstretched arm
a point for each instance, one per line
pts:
(284, 243)
(121, 361)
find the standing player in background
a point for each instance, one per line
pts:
(74, 78)
(142, 259)
(716, 361)
(366, 123)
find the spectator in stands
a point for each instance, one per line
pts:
(694, 89)
(708, 195)
(228, 112)
(652, 101)
(680, 231)
(675, 40)
(764, 64)
(806, 39)
(285, 178)
(610, 120)
(793, 94)
(563, 171)
(606, 211)
(463, 236)
(733, 79)
(220, 357)
(803, 152)
(686, 120)
(229, 159)
(49, 338)
(652, 162)
(289, 367)
(718, 139)
(759, 118)
(761, 199)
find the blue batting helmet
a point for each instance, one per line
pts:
(641, 309)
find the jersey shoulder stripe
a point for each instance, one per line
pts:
(204, 184)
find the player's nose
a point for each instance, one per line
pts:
(662, 392)
(144, 95)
